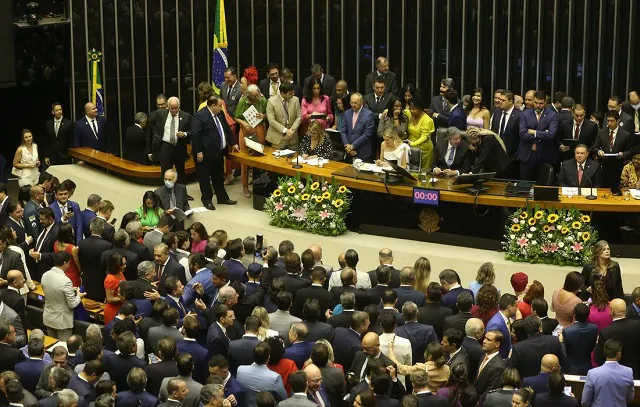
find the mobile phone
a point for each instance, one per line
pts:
(557, 330)
(567, 390)
(81, 288)
(69, 208)
(259, 245)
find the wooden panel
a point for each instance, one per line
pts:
(448, 193)
(122, 166)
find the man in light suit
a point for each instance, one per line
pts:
(170, 131)
(66, 211)
(59, 132)
(382, 72)
(580, 171)
(91, 130)
(211, 137)
(60, 298)
(230, 90)
(439, 107)
(358, 129)
(610, 384)
(258, 377)
(284, 116)
(506, 124)
(612, 139)
(298, 382)
(281, 320)
(328, 81)
(173, 195)
(537, 146)
(501, 321)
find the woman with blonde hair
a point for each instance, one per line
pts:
(602, 268)
(26, 160)
(422, 268)
(491, 153)
(393, 150)
(264, 331)
(315, 143)
(486, 275)
(435, 366)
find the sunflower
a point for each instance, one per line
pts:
(553, 218)
(524, 215)
(305, 197)
(585, 218)
(342, 189)
(315, 186)
(318, 198)
(338, 203)
(532, 221)
(576, 225)
(586, 236)
(546, 228)
(291, 189)
(277, 192)
(565, 230)
(539, 215)
(515, 228)
(326, 195)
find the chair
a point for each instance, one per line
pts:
(415, 159)
(34, 318)
(546, 175)
(80, 328)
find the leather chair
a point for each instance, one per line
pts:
(34, 318)
(546, 175)
(415, 159)
(441, 134)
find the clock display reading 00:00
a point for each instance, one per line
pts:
(426, 196)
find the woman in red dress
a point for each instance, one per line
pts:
(115, 265)
(277, 363)
(65, 243)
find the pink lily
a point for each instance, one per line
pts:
(324, 214)
(279, 206)
(577, 246)
(523, 242)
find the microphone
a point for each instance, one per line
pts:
(297, 165)
(591, 196)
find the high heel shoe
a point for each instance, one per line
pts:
(246, 192)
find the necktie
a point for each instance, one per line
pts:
(636, 121)
(184, 311)
(503, 123)
(579, 174)
(482, 365)
(317, 399)
(95, 128)
(223, 145)
(172, 131)
(43, 234)
(355, 119)
(274, 88)
(172, 199)
(611, 141)
(57, 126)
(364, 367)
(444, 104)
(452, 153)
(537, 116)
(160, 270)
(228, 93)
(285, 106)
(377, 99)
(576, 135)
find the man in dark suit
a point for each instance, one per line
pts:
(474, 334)
(439, 108)
(135, 140)
(40, 258)
(406, 292)
(300, 348)
(328, 81)
(333, 379)
(381, 285)
(491, 365)
(527, 355)
(537, 146)
(235, 268)
(584, 131)
(286, 76)
(83, 383)
(137, 382)
(565, 120)
(218, 366)
(613, 139)
(190, 330)
(626, 121)
(11, 295)
(230, 90)
(579, 340)
(452, 345)
(217, 338)
(30, 370)
(419, 334)
(501, 321)
(161, 105)
(10, 260)
(540, 382)
(105, 209)
(67, 211)
(170, 131)
(459, 320)
(9, 355)
(311, 312)
(348, 277)
(166, 367)
(91, 130)
(451, 156)
(241, 350)
(378, 100)
(5, 200)
(347, 341)
(167, 266)
(270, 86)
(316, 291)
(348, 303)
(293, 282)
(457, 115)
(370, 350)
(450, 281)
(89, 250)
(506, 124)
(633, 309)
(121, 243)
(211, 136)
(382, 72)
(434, 313)
(59, 133)
(134, 229)
(421, 387)
(580, 171)
(119, 365)
(358, 130)
(385, 256)
(627, 332)
(90, 212)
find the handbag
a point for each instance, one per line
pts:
(16, 171)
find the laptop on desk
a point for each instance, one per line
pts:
(519, 188)
(544, 193)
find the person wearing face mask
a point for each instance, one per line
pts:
(172, 194)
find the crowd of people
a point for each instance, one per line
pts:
(197, 318)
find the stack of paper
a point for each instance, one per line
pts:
(312, 161)
(283, 153)
(371, 168)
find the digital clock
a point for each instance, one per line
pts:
(426, 196)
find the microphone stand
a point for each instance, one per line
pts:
(297, 164)
(591, 196)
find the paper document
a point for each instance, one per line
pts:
(371, 168)
(312, 161)
(283, 153)
(199, 209)
(254, 145)
(332, 130)
(611, 154)
(251, 115)
(635, 193)
(180, 215)
(585, 191)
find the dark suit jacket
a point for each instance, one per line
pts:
(461, 159)
(591, 174)
(626, 122)
(511, 134)
(341, 320)
(434, 315)
(539, 383)
(526, 356)
(31, 219)
(141, 250)
(420, 336)
(627, 332)
(440, 106)
(3, 212)
(156, 372)
(431, 400)
(458, 118)
(82, 388)
(359, 359)
(299, 352)
(489, 378)
(55, 147)
(130, 271)
(387, 401)
(492, 158)
(390, 82)
(377, 108)
(199, 353)
(135, 144)
(361, 136)
(474, 354)
(205, 137)
(612, 166)
(75, 221)
(362, 296)
(136, 398)
(29, 372)
(172, 268)
(632, 313)
(407, 293)
(89, 251)
(141, 285)
(319, 330)
(376, 292)
(118, 367)
(179, 191)
(86, 215)
(323, 296)
(394, 281)
(548, 325)
(241, 352)
(334, 384)
(238, 272)
(14, 300)
(85, 137)
(457, 321)
(46, 253)
(156, 127)
(346, 343)
(294, 283)
(450, 298)
(587, 132)
(545, 138)
(10, 261)
(217, 341)
(549, 400)
(328, 84)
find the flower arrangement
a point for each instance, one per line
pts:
(561, 237)
(314, 206)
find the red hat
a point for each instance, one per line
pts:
(519, 282)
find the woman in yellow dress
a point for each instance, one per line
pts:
(419, 131)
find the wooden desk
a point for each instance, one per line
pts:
(122, 166)
(48, 340)
(94, 308)
(448, 192)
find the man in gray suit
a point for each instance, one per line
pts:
(281, 320)
(185, 369)
(60, 298)
(173, 195)
(10, 317)
(298, 383)
(258, 377)
(230, 90)
(178, 392)
(169, 327)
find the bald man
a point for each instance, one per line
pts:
(627, 332)
(540, 382)
(315, 390)
(11, 295)
(370, 350)
(474, 333)
(527, 355)
(358, 129)
(169, 137)
(528, 99)
(90, 131)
